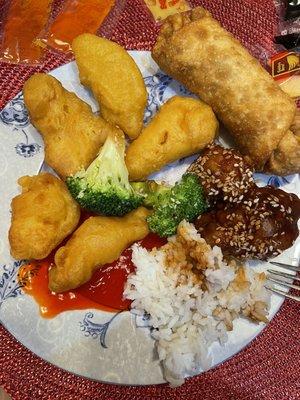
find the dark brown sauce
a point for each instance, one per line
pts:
(104, 291)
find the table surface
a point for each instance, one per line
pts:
(269, 368)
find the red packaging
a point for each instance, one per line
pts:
(285, 69)
(22, 22)
(161, 9)
(75, 18)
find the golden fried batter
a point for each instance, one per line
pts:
(114, 78)
(193, 48)
(72, 134)
(98, 241)
(285, 159)
(182, 127)
(42, 216)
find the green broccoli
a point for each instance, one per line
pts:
(103, 187)
(171, 205)
(152, 192)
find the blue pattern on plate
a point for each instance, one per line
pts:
(142, 321)
(274, 180)
(277, 181)
(96, 330)
(26, 149)
(9, 284)
(15, 113)
(156, 86)
(160, 88)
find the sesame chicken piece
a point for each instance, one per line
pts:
(224, 174)
(261, 226)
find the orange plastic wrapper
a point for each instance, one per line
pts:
(76, 17)
(22, 21)
(161, 9)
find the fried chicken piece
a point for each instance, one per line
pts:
(183, 126)
(98, 241)
(261, 226)
(42, 216)
(115, 80)
(72, 134)
(224, 174)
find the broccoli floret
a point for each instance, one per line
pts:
(152, 192)
(171, 205)
(103, 187)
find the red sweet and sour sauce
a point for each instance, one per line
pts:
(104, 291)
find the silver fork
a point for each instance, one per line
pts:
(283, 282)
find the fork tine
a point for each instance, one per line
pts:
(287, 266)
(290, 296)
(284, 284)
(284, 275)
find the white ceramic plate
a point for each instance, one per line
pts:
(75, 340)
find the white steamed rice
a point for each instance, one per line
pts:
(186, 315)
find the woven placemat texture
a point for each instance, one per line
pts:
(269, 368)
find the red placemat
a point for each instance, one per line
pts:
(267, 369)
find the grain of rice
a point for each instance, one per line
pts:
(191, 305)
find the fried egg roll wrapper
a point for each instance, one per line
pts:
(72, 134)
(285, 159)
(98, 241)
(43, 215)
(194, 48)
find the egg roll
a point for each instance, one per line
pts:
(193, 48)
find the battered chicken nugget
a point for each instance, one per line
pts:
(98, 241)
(72, 134)
(183, 126)
(109, 71)
(42, 216)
